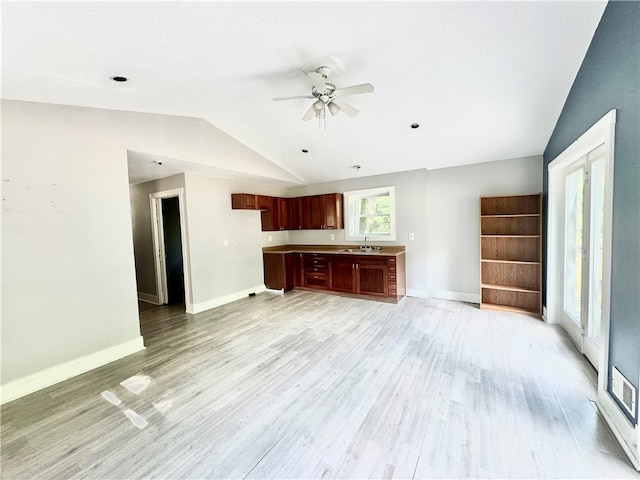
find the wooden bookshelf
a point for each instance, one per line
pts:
(511, 253)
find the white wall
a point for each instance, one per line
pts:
(453, 237)
(69, 288)
(68, 280)
(411, 216)
(221, 273)
(142, 233)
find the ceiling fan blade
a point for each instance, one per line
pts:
(310, 113)
(346, 108)
(317, 80)
(353, 90)
(278, 99)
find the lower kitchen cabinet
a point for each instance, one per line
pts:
(359, 275)
(279, 270)
(342, 276)
(314, 270)
(373, 276)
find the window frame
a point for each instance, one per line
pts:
(351, 214)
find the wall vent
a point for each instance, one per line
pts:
(623, 391)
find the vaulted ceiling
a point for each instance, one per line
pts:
(484, 80)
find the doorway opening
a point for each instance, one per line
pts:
(579, 242)
(169, 243)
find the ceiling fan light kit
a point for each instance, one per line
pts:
(327, 96)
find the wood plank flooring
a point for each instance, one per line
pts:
(306, 385)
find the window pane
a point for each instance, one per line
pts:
(597, 241)
(374, 205)
(574, 187)
(375, 225)
(370, 213)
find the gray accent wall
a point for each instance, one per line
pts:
(609, 78)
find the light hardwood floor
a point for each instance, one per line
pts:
(307, 385)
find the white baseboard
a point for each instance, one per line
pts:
(626, 433)
(457, 296)
(59, 373)
(414, 292)
(148, 298)
(216, 302)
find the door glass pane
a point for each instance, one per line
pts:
(597, 237)
(574, 196)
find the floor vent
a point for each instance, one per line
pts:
(624, 391)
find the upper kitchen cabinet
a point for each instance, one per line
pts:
(244, 201)
(321, 212)
(314, 212)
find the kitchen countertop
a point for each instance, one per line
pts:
(390, 251)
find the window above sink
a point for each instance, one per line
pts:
(370, 215)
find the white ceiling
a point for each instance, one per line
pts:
(485, 80)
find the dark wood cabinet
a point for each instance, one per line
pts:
(371, 276)
(270, 217)
(362, 275)
(279, 270)
(243, 201)
(287, 214)
(342, 276)
(315, 212)
(263, 202)
(333, 211)
(315, 270)
(321, 212)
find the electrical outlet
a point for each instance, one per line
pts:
(333, 237)
(412, 236)
(270, 238)
(226, 242)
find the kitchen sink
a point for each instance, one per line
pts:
(363, 249)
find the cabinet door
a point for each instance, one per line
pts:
(372, 278)
(342, 273)
(263, 202)
(274, 270)
(315, 205)
(304, 212)
(279, 270)
(289, 210)
(333, 211)
(270, 217)
(243, 201)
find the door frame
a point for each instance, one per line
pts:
(602, 133)
(157, 228)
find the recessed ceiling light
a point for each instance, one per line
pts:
(415, 125)
(119, 79)
(304, 150)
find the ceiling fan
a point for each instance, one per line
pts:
(327, 96)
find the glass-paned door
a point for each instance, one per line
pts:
(583, 250)
(573, 245)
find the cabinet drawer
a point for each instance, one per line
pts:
(313, 261)
(314, 269)
(315, 280)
